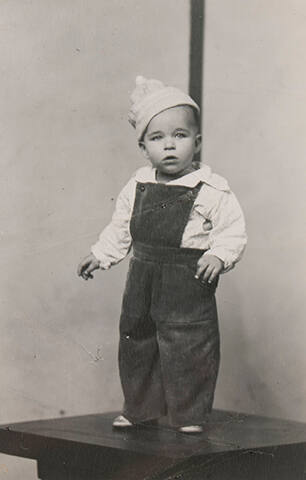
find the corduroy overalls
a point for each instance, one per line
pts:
(169, 337)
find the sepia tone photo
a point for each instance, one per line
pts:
(152, 240)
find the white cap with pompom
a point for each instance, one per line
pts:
(151, 97)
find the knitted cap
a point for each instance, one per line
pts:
(151, 97)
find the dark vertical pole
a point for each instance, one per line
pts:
(196, 51)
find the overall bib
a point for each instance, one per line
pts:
(169, 337)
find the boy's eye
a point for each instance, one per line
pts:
(180, 135)
(156, 137)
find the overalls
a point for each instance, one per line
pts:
(169, 337)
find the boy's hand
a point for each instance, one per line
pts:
(88, 265)
(209, 267)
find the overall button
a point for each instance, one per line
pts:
(142, 188)
(163, 205)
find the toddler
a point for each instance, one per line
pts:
(186, 227)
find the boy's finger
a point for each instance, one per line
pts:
(200, 269)
(82, 266)
(80, 272)
(213, 276)
(86, 270)
(207, 273)
(84, 273)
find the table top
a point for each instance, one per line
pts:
(225, 431)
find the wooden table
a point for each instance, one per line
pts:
(234, 446)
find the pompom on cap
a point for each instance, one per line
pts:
(151, 97)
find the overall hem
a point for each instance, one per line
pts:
(137, 420)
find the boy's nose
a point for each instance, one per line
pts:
(169, 143)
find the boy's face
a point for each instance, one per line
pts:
(171, 141)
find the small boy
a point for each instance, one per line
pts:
(186, 227)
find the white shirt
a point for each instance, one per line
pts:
(216, 222)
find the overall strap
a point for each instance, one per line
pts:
(161, 212)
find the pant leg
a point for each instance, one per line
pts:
(139, 361)
(188, 336)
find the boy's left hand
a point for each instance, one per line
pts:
(208, 268)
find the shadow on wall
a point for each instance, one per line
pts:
(254, 375)
(244, 380)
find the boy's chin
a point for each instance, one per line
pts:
(176, 170)
(169, 171)
(172, 173)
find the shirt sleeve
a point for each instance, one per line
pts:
(227, 238)
(115, 240)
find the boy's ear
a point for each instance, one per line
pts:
(143, 149)
(198, 142)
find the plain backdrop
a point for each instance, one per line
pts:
(67, 69)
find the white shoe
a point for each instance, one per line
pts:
(191, 429)
(122, 422)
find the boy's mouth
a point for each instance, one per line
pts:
(169, 158)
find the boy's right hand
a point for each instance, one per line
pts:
(87, 266)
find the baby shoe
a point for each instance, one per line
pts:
(122, 422)
(191, 429)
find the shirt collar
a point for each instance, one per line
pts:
(203, 174)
